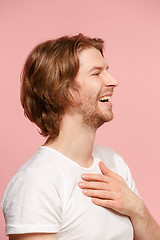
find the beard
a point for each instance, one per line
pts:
(93, 116)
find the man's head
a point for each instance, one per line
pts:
(95, 88)
(49, 72)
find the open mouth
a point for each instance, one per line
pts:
(105, 99)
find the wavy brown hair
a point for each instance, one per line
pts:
(48, 73)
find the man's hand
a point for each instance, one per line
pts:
(110, 190)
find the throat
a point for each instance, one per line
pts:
(77, 147)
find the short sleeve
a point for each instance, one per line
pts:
(31, 204)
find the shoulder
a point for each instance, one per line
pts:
(37, 174)
(43, 164)
(32, 197)
(36, 185)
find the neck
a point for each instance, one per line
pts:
(75, 141)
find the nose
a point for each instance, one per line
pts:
(110, 80)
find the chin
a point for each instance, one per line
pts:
(110, 117)
(107, 117)
(100, 120)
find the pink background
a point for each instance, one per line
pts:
(131, 30)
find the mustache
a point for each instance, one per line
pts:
(108, 90)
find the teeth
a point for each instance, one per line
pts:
(105, 98)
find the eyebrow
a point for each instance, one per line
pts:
(97, 68)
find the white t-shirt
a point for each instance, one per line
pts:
(44, 197)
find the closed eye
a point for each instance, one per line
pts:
(96, 74)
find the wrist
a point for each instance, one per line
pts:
(140, 210)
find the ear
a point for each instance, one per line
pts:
(74, 92)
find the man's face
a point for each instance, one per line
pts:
(95, 87)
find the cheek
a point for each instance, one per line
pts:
(96, 82)
(95, 87)
(90, 88)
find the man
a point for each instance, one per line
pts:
(71, 189)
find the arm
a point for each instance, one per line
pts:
(33, 236)
(145, 227)
(110, 190)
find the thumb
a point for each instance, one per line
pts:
(105, 170)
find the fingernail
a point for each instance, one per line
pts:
(85, 191)
(81, 184)
(84, 176)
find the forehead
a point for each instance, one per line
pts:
(90, 58)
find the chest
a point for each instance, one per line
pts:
(81, 219)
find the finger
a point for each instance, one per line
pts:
(101, 194)
(96, 177)
(94, 185)
(109, 203)
(106, 171)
